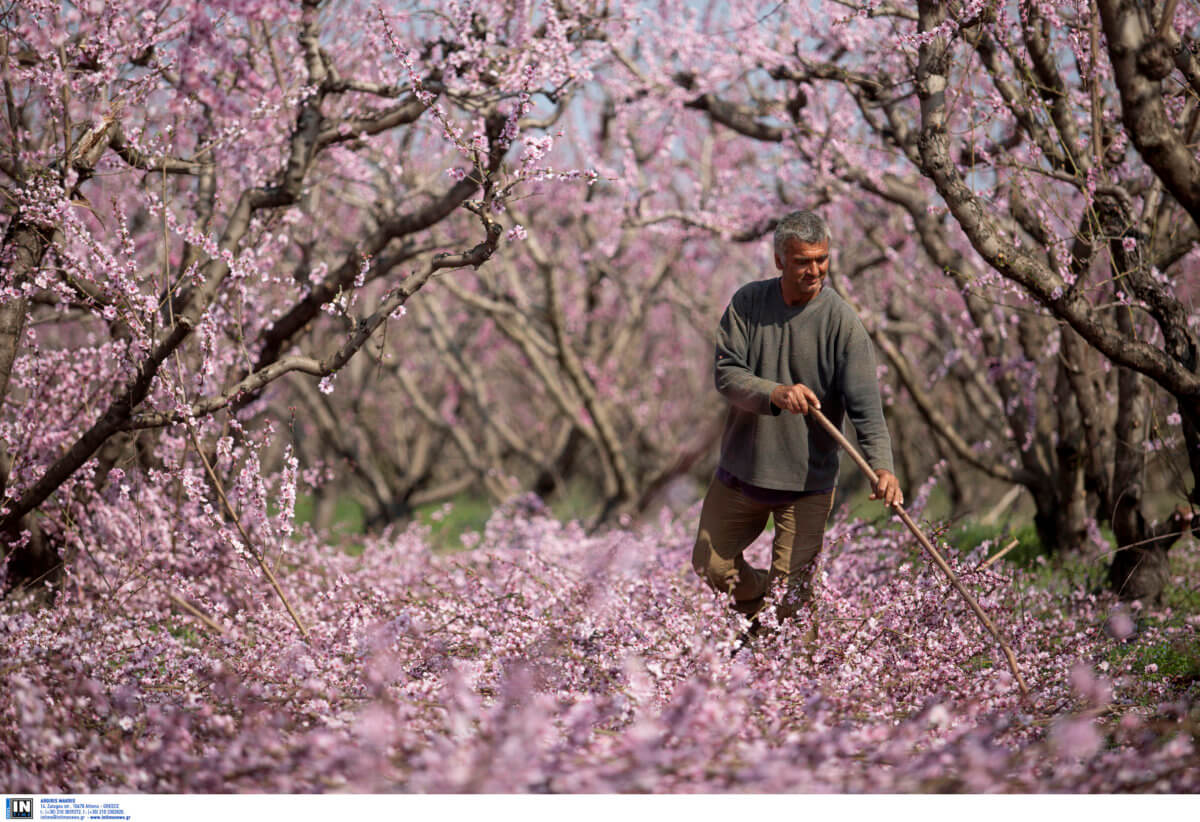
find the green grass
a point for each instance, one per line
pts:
(970, 534)
(1174, 658)
(187, 633)
(1186, 600)
(1176, 661)
(448, 521)
(348, 514)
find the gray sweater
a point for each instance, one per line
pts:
(763, 342)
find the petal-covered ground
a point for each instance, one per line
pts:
(550, 660)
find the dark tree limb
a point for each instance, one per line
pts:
(140, 160)
(985, 235)
(739, 118)
(284, 330)
(287, 191)
(1138, 61)
(331, 363)
(353, 128)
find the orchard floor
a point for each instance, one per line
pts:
(548, 660)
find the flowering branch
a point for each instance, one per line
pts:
(363, 329)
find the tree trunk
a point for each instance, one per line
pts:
(1061, 515)
(38, 561)
(1141, 569)
(1190, 412)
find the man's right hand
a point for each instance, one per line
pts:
(798, 398)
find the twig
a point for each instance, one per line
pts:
(196, 612)
(216, 481)
(928, 546)
(987, 563)
(266, 569)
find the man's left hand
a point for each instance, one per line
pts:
(888, 489)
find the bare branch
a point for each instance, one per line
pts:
(739, 118)
(353, 128)
(1050, 83)
(883, 9)
(748, 234)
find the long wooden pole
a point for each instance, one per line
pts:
(928, 546)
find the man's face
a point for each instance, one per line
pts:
(803, 267)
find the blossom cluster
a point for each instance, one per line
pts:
(551, 660)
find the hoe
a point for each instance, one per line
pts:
(929, 549)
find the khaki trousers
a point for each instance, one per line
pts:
(730, 521)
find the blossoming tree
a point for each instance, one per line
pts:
(1039, 303)
(214, 211)
(199, 195)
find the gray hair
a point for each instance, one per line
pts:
(804, 226)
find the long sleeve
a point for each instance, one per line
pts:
(860, 390)
(735, 379)
(763, 342)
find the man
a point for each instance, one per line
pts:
(787, 344)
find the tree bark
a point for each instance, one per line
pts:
(23, 249)
(1140, 60)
